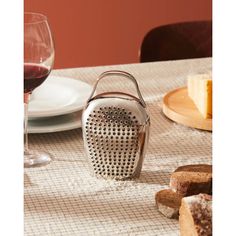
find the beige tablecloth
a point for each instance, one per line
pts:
(63, 199)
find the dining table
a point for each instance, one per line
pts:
(65, 198)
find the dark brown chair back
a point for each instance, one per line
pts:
(177, 41)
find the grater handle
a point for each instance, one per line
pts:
(118, 73)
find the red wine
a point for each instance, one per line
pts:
(34, 75)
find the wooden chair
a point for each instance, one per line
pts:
(177, 41)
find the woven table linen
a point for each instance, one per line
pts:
(63, 198)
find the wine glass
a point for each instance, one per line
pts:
(38, 62)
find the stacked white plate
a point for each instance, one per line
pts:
(57, 105)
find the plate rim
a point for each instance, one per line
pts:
(40, 114)
(66, 125)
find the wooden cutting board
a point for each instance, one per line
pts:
(178, 107)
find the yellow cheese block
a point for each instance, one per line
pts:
(200, 91)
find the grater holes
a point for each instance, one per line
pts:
(112, 133)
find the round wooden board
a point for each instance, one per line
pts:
(178, 107)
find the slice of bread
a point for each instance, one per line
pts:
(168, 203)
(195, 215)
(192, 179)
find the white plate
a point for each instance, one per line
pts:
(56, 123)
(58, 96)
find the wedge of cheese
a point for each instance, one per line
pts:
(200, 91)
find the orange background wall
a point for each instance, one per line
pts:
(103, 32)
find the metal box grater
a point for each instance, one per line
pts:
(115, 131)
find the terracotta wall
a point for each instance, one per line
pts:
(103, 32)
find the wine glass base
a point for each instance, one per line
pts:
(35, 158)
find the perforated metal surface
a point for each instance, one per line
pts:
(112, 138)
(115, 128)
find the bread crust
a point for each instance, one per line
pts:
(168, 203)
(196, 215)
(192, 179)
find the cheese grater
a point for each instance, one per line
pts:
(115, 131)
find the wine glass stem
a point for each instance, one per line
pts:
(26, 102)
